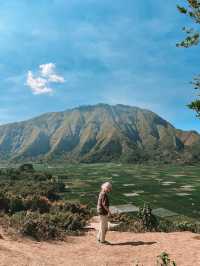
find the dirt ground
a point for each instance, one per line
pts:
(125, 249)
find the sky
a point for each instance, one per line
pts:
(60, 54)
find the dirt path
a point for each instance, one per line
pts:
(125, 249)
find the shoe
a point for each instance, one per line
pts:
(104, 242)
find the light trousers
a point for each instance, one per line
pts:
(103, 227)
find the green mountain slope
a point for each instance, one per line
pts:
(95, 133)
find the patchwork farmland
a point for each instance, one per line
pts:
(171, 190)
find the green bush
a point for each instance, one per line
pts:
(133, 224)
(30, 201)
(149, 221)
(4, 202)
(81, 210)
(127, 223)
(68, 221)
(35, 225)
(164, 260)
(16, 203)
(46, 226)
(187, 226)
(10, 203)
(37, 176)
(178, 226)
(26, 167)
(37, 203)
(166, 226)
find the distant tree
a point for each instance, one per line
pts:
(192, 10)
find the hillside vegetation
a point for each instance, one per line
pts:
(31, 203)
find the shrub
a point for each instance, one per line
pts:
(51, 192)
(81, 210)
(35, 225)
(46, 226)
(4, 202)
(126, 223)
(187, 226)
(26, 167)
(132, 224)
(16, 204)
(37, 176)
(148, 220)
(166, 226)
(173, 226)
(60, 186)
(68, 221)
(37, 203)
(164, 260)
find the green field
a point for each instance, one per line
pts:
(171, 187)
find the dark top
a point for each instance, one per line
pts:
(102, 201)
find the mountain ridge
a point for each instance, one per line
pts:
(93, 133)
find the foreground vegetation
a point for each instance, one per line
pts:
(49, 202)
(145, 221)
(31, 203)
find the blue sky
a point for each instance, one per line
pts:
(58, 54)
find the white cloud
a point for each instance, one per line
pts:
(40, 84)
(48, 71)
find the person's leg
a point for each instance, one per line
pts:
(104, 227)
(99, 234)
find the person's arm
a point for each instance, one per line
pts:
(106, 207)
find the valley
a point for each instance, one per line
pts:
(167, 187)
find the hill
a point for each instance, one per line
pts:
(95, 133)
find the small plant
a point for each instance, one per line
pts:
(164, 260)
(148, 220)
(137, 263)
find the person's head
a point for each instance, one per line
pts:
(106, 187)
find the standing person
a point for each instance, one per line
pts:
(103, 212)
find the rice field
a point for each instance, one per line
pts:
(170, 189)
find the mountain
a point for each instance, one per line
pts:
(188, 138)
(95, 133)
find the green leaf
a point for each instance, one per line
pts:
(182, 10)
